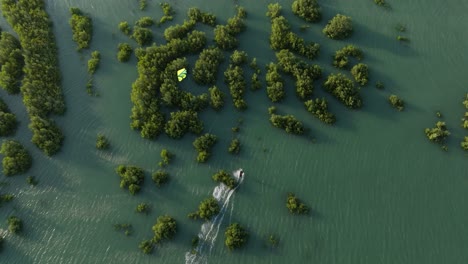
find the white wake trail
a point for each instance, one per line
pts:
(210, 229)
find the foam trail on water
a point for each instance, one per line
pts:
(209, 230)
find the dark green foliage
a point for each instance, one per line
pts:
(288, 123)
(206, 67)
(182, 122)
(102, 142)
(143, 4)
(8, 122)
(153, 71)
(464, 144)
(281, 37)
(216, 98)
(206, 210)
(168, 12)
(14, 224)
(125, 28)
(234, 147)
(146, 246)
(5, 198)
(236, 236)
(344, 90)
(142, 208)
(160, 177)
(16, 160)
(225, 35)
(379, 85)
(307, 9)
(255, 82)
(396, 102)
(143, 36)
(166, 157)
(145, 22)
(275, 84)
(274, 10)
(93, 63)
(319, 108)
(224, 177)
(40, 87)
(82, 28)
(339, 27)
(47, 135)
(438, 133)
(127, 228)
(380, 2)
(164, 229)
(206, 18)
(11, 63)
(31, 180)
(360, 73)
(124, 53)
(402, 38)
(465, 118)
(272, 241)
(131, 177)
(238, 58)
(234, 78)
(295, 205)
(203, 145)
(340, 60)
(179, 31)
(400, 27)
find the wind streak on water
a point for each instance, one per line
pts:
(209, 230)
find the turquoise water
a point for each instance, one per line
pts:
(380, 192)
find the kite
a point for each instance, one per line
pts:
(181, 74)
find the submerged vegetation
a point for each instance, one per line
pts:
(40, 87)
(16, 160)
(236, 236)
(206, 210)
(82, 28)
(295, 206)
(11, 63)
(131, 177)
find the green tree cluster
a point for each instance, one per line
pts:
(146, 246)
(274, 83)
(288, 123)
(179, 31)
(438, 133)
(319, 108)
(465, 118)
(341, 60)
(168, 12)
(11, 63)
(236, 236)
(216, 98)
(131, 177)
(125, 28)
(16, 160)
(127, 228)
(124, 52)
(396, 102)
(281, 37)
(166, 157)
(143, 36)
(207, 64)
(143, 208)
(143, 4)
(82, 28)
(164, 229)
(203, 145)
(102, 142)
(93, 63)
(182, 122)
(14, 224)
(274, 10)
(234, 78)
(225, 35)
(152, 64)
(160, 177)
(238, 58)
(225, 178)
(31, 180)
(8, 122)
(206, 210)
(295, 205)
(464, 143)
(255, 82)
(344, 90)
(40, 87)
(309, 10)
(145, 21)
(202, 17)
(339, 27)
(234, 146)
(360, 73)
(304, 73)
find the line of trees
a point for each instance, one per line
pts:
(207, 64)
(288, 123)
(8, 122)
(319, 108)
(225, 35)
(11, 63)
(42, 94)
